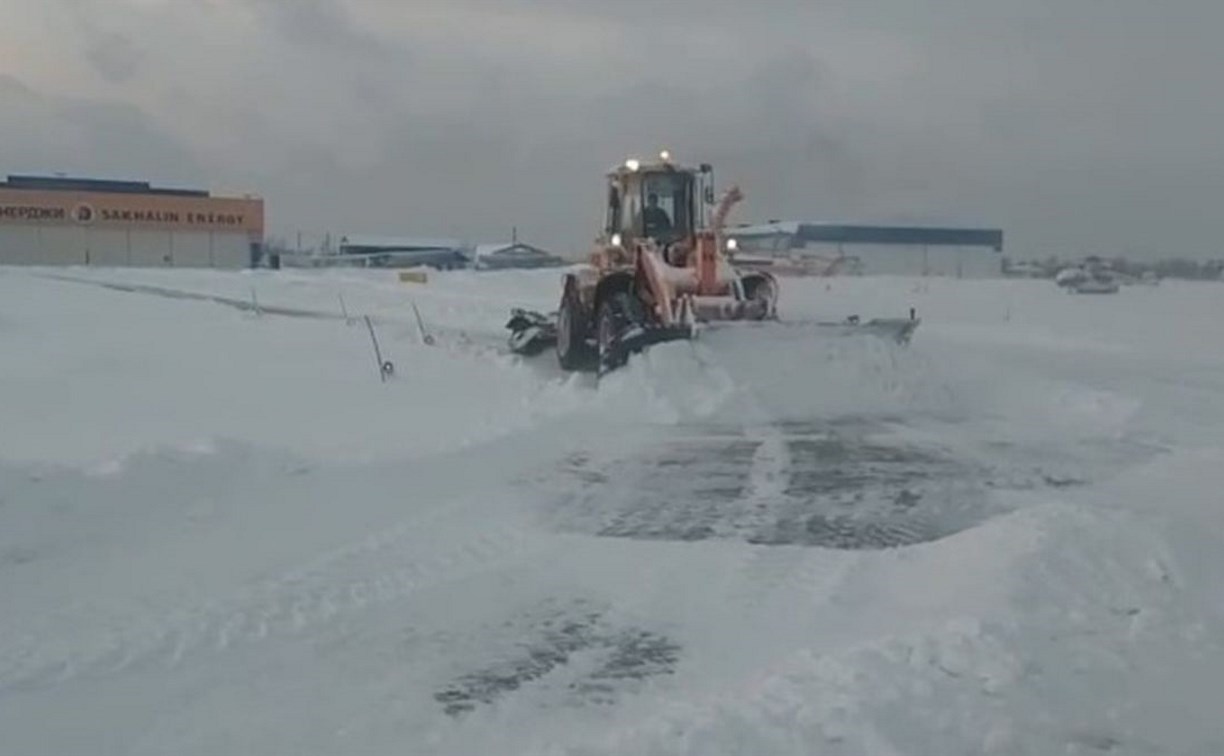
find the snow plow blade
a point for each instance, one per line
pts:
(899, 330)
(532, 333)
(635, 339)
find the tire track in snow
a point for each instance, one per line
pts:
(574, 655)
(768, 572)
(342, 583)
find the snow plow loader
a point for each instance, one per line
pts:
(662, 270)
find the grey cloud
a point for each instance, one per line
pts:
(14, 93)
(114, 56)
(323, 25)
(45, 134)
(1086, 124)
(643, 14)
(538, 162)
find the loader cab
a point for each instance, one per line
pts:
(655, 201)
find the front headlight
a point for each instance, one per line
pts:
(616, 240)
(732, 245)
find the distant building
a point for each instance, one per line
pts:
(403, 252)
(822, 248)
(513, 255)
(778, 235)
(83, 221)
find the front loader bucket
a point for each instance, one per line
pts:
(636, 339)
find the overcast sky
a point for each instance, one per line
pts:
(1075, 125)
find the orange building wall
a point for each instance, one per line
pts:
(132, 211)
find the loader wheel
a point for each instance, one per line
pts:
(572, 350)
(763, 293)
(610, 325)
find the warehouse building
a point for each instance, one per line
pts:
(819, 248)
(75, 221)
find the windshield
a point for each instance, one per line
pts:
(665, 205)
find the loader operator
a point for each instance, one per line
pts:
(655, 220)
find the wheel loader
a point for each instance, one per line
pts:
(661, 269)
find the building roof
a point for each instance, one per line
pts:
(513, 255)
(406, 243)
(78, 184)
(509, 249)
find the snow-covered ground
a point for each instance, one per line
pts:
(221, 533)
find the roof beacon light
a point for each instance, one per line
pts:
(632, 164)
(666, 156)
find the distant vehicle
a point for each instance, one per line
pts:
(1093, 277)
(1024, 269)
(1097, 281)
(1096, 286)
(1069, 277)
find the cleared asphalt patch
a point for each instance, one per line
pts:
(845, 484)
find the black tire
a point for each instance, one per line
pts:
(573, 353)
(610, 324)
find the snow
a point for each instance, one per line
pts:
(220, 532)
